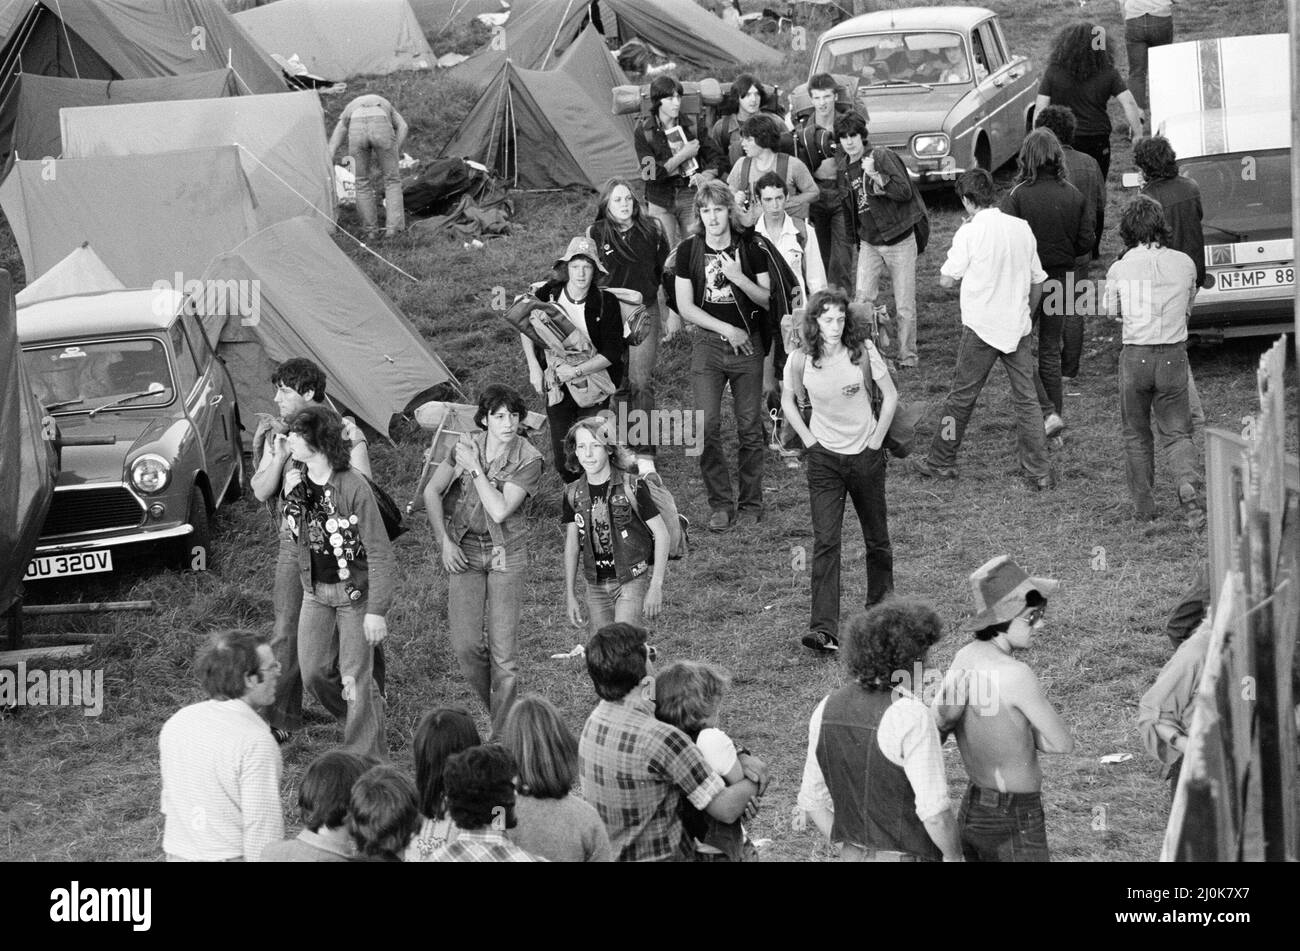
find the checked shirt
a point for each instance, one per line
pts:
(482, 845)
(634, 771)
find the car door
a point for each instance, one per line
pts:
(1017, 87)
(203, 404)
(987, 90)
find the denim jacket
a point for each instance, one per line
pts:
(634, 543)
(372, 568)
(462, 508)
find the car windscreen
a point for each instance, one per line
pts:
(76, 377)
(880, 58)
(1244, 196)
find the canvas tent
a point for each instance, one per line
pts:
(281, 140)
(39, 99)
(148, 216)
(81, 272)
(339, 39)
(436, 16)
(538, 129)
(314, 302)
(534, 39)
(592, 66)
(687, 32)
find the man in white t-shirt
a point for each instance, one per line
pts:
(995, 258)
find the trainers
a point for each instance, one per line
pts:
(1043, 483)
(720, 521)
(821, 642)
(922, 467)
(1053, 424)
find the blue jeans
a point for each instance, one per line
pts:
(610, 601)
(1002, 827)
(900, 260)
(714, 365)
(638, 390)
(832, 476)
(481, 593)
(1153, 390)
(1140, 34)
(372, 142)
(678, 220)
(830, 223)
(1050, 329)
(318, 649)
(975, 359)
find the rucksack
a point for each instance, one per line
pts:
(782, 172)
(679, 526)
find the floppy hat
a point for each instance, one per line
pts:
(582, 247)
(999, 587)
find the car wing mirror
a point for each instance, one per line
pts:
(1132, 179)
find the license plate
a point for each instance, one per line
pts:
(1257, 277)
(73, 563)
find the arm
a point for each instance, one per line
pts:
(814, 271)
(336, 139)
(401, 129)
(259, 796)
(1051, 735)
(654, 596)
(948, 283)
(266, 480)
(729, 805)
(891, 176)
(359, 455)
(696, 315)
(1035, 295)
(453, 559)
(888, 403)
(1087, 229)
(814, 798)
(380, 562)
(806, 190)
(1132, 112)
(571, 555)
(535, 376)
(790, 403)
(942, 830)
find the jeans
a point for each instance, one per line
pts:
(560, 417)
(832, 476)
(1153, 389)
(714, 365)
(1140, 34)
(1002, 827)
(1071, 345)
(638, 390)
(1049, 327)
(480, 592)
(371, 139)
(678, 220)
(319, 646)
(900, 259)
(831, 225)
(610, 601)
(975, 359)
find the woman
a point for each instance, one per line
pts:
(844, 439)
(442, 734)
(347, 570)
(613, 527)
(483, 537)
(1056, 212)
(1081, 74)
(633, 249)
(668, 149)
(597, 315)
(748, 94)
(553, 822)
(759, 139)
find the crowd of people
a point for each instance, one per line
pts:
(749, 234)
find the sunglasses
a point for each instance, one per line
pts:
(1036, 614)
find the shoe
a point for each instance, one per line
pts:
(720, 521)
(1053, 424)
(1144, 514)
(922, 467)
(1187, 494)
(821, 642)
(747, 520)
(281, 736)
(1056, 443)
(1043, 483)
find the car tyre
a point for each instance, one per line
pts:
(194, 551)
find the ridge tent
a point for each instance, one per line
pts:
(281, 140)
(81, 272)
(589, 62)
(688, 33)
(39, 99)
(437, 16)
(311, 300)
(340, 39)
(149, 216)
(533, 39)
(538, 129)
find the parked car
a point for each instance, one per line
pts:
(1225, 107)
(129, 366)
(939, 86)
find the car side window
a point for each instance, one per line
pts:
(981, 58)
(992, 47)
(203, 354)
(187, 371)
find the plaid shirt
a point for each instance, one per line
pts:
(634, 771)
(482, 845)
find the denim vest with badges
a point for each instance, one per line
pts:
(462, 502)
(634, 544)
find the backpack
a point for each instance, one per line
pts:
(782, 171)
(679, 526)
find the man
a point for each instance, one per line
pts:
(873, 778)
(791, 236)
(635, 769)
(1165, 711)
(323, 798)
(890, 224)
(1147, 23)
(298, 383)
(1002, 719)
(995, 258)
(375, 133)
(220, 765)
(722, 287)
(480, 789)
(816, 146)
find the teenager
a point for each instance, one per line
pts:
(816, 146)
(674, 158)
(759, 140)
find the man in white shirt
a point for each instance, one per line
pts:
(995, 258)
(220, 764)
(792, 236)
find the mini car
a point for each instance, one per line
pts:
(130, 366)
(938, 85)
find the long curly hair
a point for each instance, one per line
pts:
(890, 637)
(1154, 156)
(1081, 50)
(322, 430)
(1040, 152)
(641, 222)
(855, 334)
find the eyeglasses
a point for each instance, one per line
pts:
(273, 667)
(1036, 614)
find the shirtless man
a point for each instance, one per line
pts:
(994, 703)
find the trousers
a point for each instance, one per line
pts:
(371, 143)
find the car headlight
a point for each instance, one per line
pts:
(151, 473)
(930, 145)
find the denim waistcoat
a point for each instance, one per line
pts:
(634, 544)
(511, 534)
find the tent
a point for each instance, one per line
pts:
(538, 129)
(533, 39)
(589, 62)
(339, 39)
(281, 140)
(688, 33)
(36, 122)
(81, 272)
(438, 16)
(148, 216)
(312, 301)
(28, 466)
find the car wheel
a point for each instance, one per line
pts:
(983, 157)
(194, 551)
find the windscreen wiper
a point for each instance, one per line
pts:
(50, 408)
(1234, 235)
(902, 82)
(123, 399)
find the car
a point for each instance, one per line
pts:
(1225, 107)
(939, 86)
(133, 367)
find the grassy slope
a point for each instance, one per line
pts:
(74, 787)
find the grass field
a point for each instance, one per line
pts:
(87, 789)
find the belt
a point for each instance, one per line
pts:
(995, 799)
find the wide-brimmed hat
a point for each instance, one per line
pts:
(581, 247)
(999, 587)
